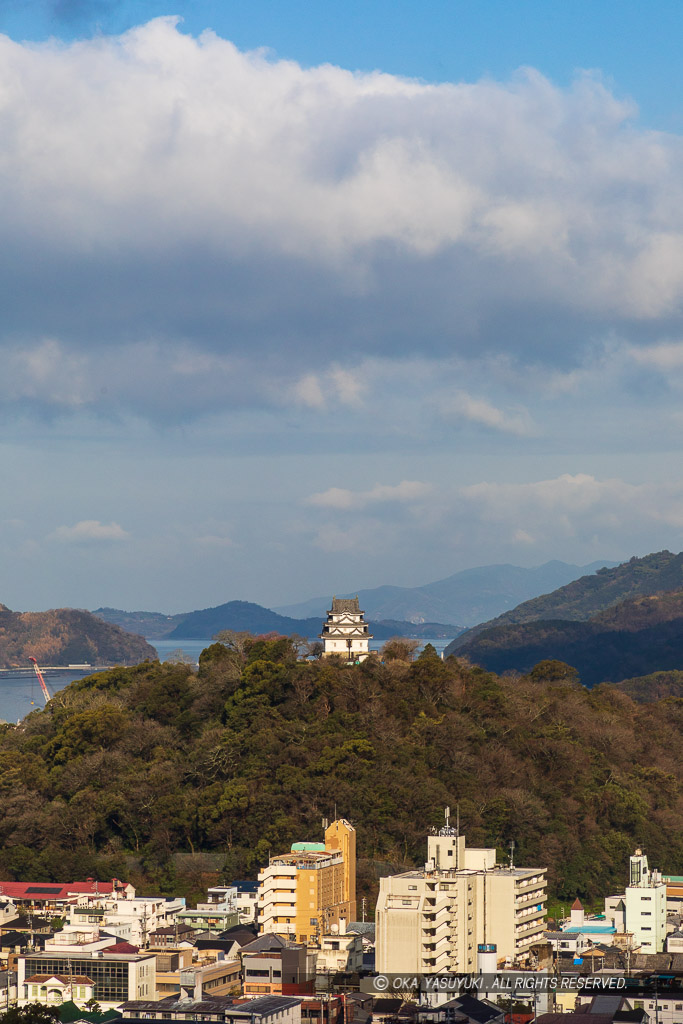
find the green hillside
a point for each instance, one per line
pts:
(585, 597)
(128, 769)
(632, 638)
(656, 686)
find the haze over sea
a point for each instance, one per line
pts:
(20, 692)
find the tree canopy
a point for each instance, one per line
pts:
(175, 778)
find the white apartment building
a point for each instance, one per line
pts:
(277, 897)
(242, 895)
(641, 910)
(646, 905)
(431, 920)
(339, 951)
(132, 920)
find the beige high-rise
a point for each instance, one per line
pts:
(431, 920)
(304, 892)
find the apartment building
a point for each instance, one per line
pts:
(131, 919)
(304, 892)
(431, 920)
(642, 908)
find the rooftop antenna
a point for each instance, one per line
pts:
(512, 853)
(457, 818)
(447, 815)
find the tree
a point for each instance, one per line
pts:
(179, 657)
(32, 1013)
(234, 640)
(399, 648)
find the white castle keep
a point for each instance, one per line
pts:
(345, 633)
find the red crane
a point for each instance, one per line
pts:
(43, 684)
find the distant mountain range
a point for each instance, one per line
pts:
(253, 618)
(588, 625)
(465, 598)
(592, 593)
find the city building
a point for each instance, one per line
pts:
(642, 907)
(115, 976)
(341, 950)
(47, 897)
(272, 965)
(304, 892)
(579, 932)
(431, 920)
(242, 895)
(209, 917)
(132, 919)
(345, 633)
(55, 989)
(218, 1009)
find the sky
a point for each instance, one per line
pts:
(301, 298)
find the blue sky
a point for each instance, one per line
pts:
(331, 296)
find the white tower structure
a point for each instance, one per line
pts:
(345, 632)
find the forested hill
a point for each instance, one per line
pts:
(128, 768)
(253, 618)
(585, 597)
(66, 636)
(632, 638)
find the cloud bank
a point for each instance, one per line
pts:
(219, 220)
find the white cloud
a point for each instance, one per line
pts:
(340, 498)
(577, 504)
(336, 386)
(90, 531)
(481, 411)
(308, 391)
(308, 213)
(664, 356)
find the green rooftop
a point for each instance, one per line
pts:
(308, 848)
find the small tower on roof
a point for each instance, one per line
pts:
(345, 632)
(577, 913)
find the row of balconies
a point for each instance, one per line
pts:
(532, 911)
(532, 896)
(526, 886)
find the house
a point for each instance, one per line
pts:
(55, 989)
